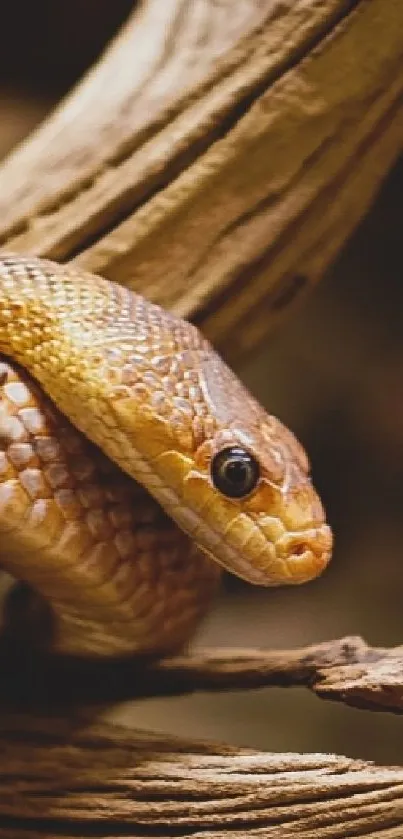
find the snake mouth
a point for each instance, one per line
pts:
(291, 559)
(304, 555)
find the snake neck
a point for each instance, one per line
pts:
(120, 368)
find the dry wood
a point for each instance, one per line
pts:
(107, 781)
(218, 156)
(216, 160)
(346, 670)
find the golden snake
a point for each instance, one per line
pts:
(145, 467)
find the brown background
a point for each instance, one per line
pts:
(334, 373)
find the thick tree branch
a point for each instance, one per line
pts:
(106, 781)
(216, 160)
(346, 671)
(217, 148)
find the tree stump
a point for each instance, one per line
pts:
(216, 160)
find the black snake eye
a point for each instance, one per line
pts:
(235, 472)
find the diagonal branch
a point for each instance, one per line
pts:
(217, 169)
(218, 156)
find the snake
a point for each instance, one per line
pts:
(135, 466)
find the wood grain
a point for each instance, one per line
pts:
(216, 159)
(97, 780)
(218, 156)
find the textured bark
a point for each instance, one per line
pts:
(108, 781)
(216, 160)
(345, 670)
(218, 156)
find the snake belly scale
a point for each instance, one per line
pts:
(133, 464)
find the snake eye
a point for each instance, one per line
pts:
(235, 472)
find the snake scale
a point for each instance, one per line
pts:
(133, 464)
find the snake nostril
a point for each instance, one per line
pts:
(299, 549)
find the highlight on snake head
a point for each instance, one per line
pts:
(262, 518)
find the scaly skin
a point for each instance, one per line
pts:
(146, 389)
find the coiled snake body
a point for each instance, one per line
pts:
(133, 464)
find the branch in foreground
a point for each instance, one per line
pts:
(345, 670)
(62, 778)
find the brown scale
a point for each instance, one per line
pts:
(52, 480)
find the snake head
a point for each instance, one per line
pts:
(263, 519)
(250, 486)
(231, 475)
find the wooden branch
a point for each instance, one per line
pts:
(347, 670)
(218, 156)
(215, 160)
(83, 780)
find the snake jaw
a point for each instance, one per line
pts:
(305, 554)
(270, 539)
(278, 534)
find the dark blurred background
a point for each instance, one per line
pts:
(334, 374)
